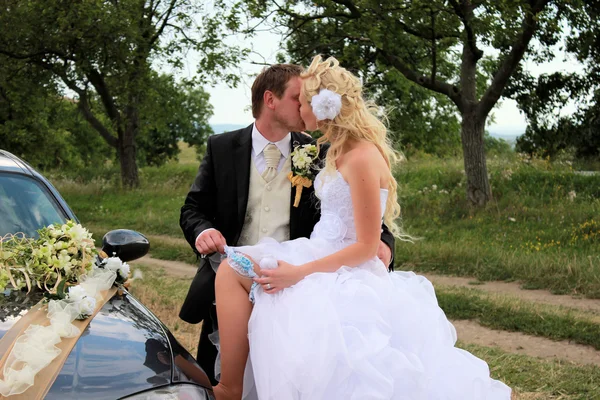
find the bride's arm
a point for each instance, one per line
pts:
(362, 172)
(363, 175)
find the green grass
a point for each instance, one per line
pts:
(151, 209)
(535, 231)
(572, 272)
(509, 314)
(533, 378)
(174, 252)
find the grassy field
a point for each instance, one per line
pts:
(542, 230)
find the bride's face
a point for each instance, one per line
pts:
(310, 121)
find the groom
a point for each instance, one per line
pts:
(242, 194)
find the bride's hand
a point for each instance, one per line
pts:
(284, 276)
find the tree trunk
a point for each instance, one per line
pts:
(473, 121)
(479, 191)
(127, 158)
(129, 169)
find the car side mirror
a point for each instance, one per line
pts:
(126, 244)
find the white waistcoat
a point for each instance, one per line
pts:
(268, 210)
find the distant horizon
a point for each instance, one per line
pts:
(506, 133)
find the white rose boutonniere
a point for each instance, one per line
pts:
(302, 174)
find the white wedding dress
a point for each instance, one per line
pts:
(358, 333)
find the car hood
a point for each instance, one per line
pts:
(125, 349)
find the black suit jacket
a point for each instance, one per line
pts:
(218, 199)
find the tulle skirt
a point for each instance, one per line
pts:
(359, 333)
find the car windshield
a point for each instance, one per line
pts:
(26, 206)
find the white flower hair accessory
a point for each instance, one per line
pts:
(326, 105)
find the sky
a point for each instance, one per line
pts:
(232, 105)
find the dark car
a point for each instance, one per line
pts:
(125, 351)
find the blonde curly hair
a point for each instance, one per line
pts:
(356, 120)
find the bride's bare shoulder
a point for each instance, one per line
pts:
(363, 154)
(362, 160)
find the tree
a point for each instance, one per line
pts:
(578, 132)
(104, 49)
(41, 126)
(46, 129)
(172, 112)
(437, 45)
(417, 120)
(541, 99)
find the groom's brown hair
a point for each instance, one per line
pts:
(274, 79)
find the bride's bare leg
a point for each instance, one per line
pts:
(233, 312)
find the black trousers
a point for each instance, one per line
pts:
(207, 352)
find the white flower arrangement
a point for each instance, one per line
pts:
(64, 255)
(86, 306)
(55, 262)
(61, 252)
(35, 348)
(327, 104)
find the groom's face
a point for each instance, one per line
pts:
(287, 108)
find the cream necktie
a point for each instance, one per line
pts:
(272, 156)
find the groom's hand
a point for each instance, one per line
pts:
(384, 253)
(210, 241)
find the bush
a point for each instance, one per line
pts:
(496, 146)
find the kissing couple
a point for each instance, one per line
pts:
(296, 241)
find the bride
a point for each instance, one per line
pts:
(326, 320)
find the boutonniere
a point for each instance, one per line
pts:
(302, 174)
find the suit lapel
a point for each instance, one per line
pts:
(298, 139)
(241, 154)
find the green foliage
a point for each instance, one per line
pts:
(403, 51)
(438, 46)
(542, 98)
(172, 112)
(419, 120)
(39, 125)
(578, 133)
(103, 52)
(496, 146)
